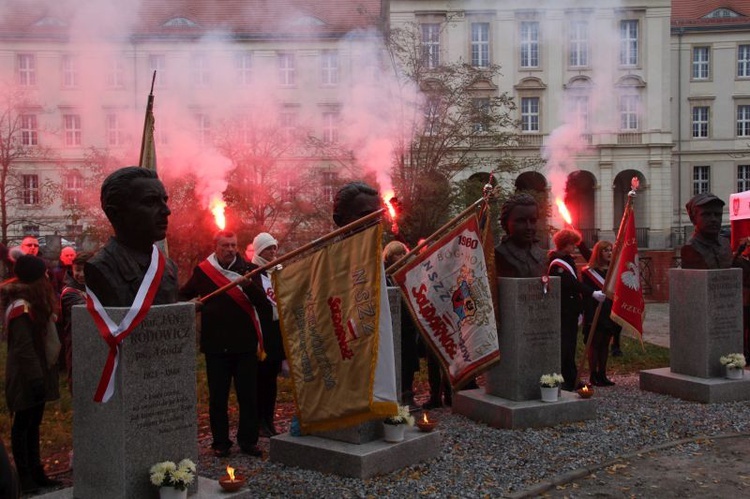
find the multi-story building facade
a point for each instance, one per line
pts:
(606, 91)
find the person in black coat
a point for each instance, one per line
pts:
(229, 340)
(563, 265)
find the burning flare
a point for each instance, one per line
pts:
(217, 208)
(424, 418)
(388, 196)
(564, 213)
(230, 472)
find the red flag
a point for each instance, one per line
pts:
(624, 286)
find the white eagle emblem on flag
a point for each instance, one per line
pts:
(631, 277)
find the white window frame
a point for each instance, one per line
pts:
(69, 64)
(331, 122)
(287, 69)
(530, 114)
(29, 130)
(328, 182)
(481, 107)
(30, 189)
(201, 70)
(629, 107)
(243, 68)
(203, 128)
(288, 123)
(431, 45)
(480, 44)
(701, 63)
(743, 120)
(73, 135)
(700, 121)
(578, 41)
(701, 179)
(743, 178)
(73, 185)
(113, 129)
(529, 35)
(329, 68)
(629, 42)
(580, 112)
(743, 61)
(26, 69)
(115, 77)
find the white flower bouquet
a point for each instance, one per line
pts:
(733, 360)
(169, 474)
(402, 417)
(551, 380)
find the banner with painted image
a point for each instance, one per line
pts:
(336, 327)
(447, 290)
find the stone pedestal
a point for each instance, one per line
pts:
(529, 341)
(152, 415)
(359, 451)
(705, 322)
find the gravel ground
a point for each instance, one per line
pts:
(477, 460)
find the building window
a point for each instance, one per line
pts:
(200, 69)
(113, 130)
(203, 124)
(329, 180)
(243, 67)
(432, 116)
(26, 69)
(579, 44)
(329, 68)
(743, 178)
(480, 45)
(743, 121)
(30, 193)
(481, 113)
(72, 188)
(158, 63)
(701, 181)
(743, 61)
(287, 190)
(72, 129)
(629, 108)
(29, 131)
(579, 112)
(700, 122)
(288, 123)
(31, 230)
(629, 42)
(530, 114)
(330, 127)
(700, 63)
(69, 71)
(529, 44)
(431, 45)
(115, 73)
(287, 74)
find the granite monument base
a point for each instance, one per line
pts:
(151, 416)
(207, 489)
(497, 412)
(695, 389)
(365, 460)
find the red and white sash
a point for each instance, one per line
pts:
(594, 276)
(268, 288)
(221, 277)
(563, 264)
(113, 333)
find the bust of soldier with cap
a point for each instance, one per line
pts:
(706, 249)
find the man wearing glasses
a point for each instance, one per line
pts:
(30, 246)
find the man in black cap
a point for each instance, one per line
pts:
(706, 249)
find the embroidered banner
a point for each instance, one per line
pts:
(448, 293)
(628, 306)
(336, 326)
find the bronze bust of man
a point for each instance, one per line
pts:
(135, 202)
(706, 249)
(519, 253)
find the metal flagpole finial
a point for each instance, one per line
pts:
(634, 183)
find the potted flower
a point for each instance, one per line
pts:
(173, 479)
(394, 426)
(550, 386)
(734, 364)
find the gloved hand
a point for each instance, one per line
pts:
(37, 390)
(598, 296)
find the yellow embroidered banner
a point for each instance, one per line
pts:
(337, 333)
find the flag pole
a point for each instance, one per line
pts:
(148, 120)
(303, 249)
(619, 241)
(435, 235)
